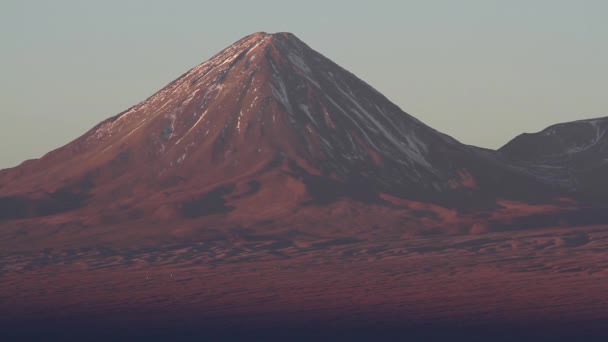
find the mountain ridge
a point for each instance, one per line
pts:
(572, 154)
(267, 119)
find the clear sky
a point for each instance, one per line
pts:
(482, 71)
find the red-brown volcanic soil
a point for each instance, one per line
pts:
(515, 278)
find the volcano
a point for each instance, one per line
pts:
(267, 125)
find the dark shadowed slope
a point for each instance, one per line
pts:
(573, 155)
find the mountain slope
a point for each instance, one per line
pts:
(267, 118)
(573, 155)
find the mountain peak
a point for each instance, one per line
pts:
(260, 47)
(283, 35)
(267, 109)
(263, 39)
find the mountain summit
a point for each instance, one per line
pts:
(267, 119)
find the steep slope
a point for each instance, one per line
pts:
(573, 155)
(268, 118)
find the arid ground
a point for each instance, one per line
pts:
(526, 281)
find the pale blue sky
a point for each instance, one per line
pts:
(482, 71)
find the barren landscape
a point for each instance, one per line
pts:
(269, 190)
(547, 278)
